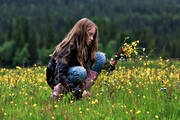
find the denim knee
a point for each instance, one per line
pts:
(100, 60)
(77, 74)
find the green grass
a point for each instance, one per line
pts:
(131, 92)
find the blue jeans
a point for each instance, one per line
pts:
(77, 74)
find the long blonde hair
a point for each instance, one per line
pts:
(79, 36)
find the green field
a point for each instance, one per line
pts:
(143, 90)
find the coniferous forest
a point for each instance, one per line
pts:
(30, 29)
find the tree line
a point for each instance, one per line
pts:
(30, 30)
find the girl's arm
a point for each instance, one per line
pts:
(62, 70)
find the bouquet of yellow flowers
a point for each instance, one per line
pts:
(128, 51)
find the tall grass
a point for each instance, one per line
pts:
(144, 90)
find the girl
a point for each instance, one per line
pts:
(75, 63)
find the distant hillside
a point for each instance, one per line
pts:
(127, 14)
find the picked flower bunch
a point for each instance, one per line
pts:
(128, 51)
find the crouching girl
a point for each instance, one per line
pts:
(75, 62)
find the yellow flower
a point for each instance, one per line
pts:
(144, 49)
(93, 102)
(147, 112)
(96, 101)
(134, 43)
(138, 112)
(156, 116)
(30, 114)
(136, 53)
(53, 117)
(34, 105)
(56, 106)
(18, 67)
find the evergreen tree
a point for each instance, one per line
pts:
(7, 52)
(1, 37)
(51, 38)
(25, 30)
(32, 47)
(10, 29)
(22, 57)
(18, 35)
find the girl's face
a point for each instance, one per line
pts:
(91, 34)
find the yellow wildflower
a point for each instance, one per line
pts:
(18, 67)
(156, 116)
(144, 49)
(138, 112)
(34, 105)
(56, 106)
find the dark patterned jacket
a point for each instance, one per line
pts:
(58, 72)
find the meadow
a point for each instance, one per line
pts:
(135, 90)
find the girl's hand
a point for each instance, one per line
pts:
(86, 94)
(113, 62)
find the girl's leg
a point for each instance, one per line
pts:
(94, 72)
(100, 60)
(58, 89)
(76, 75)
